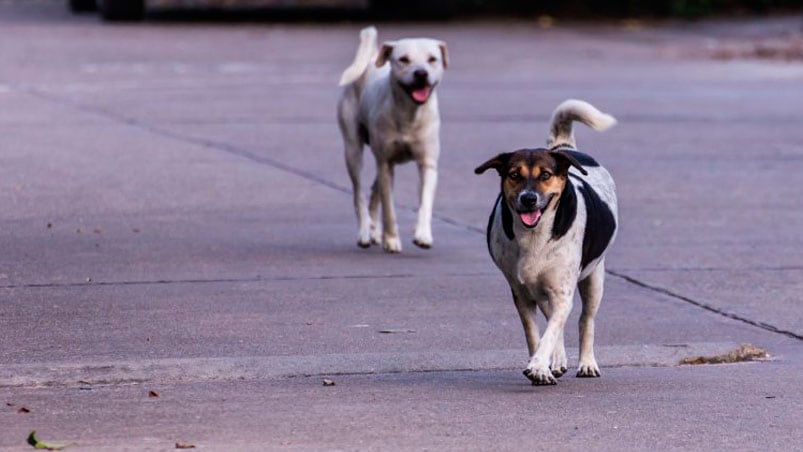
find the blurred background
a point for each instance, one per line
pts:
(434, 9)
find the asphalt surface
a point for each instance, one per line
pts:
(176, 218)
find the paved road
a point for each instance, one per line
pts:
(176, 218)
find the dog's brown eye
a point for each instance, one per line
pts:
(404, 60)
(545, 176)
(514, 176)
(432, 59)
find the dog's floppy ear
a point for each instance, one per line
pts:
(444, 54)
(384, 53)
(565, 160)
(499, 163)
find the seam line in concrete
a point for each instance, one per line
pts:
(267, 279)
(189, 370)
(781, 268)
(703, 305)
(227, 148)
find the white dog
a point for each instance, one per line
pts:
(389, 103)
(549, 230)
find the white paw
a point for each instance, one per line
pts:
(364, 240)
(423, 237)
(376, 239)
(540, 375)
(588, 369)
(560, 364)
(392, 244)
(375, 234)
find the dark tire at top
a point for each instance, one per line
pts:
(80, 6)
(122, 10)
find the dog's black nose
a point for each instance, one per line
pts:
(420, 74)
(528, 199)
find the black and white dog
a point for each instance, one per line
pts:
(548, 232)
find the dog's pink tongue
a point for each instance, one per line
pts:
(530, 218)
(421, 95)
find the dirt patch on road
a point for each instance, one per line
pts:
(745, 352)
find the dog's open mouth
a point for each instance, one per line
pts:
(418, 92)
(530, 219)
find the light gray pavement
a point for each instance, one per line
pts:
(176, 217)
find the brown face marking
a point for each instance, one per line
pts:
(534, 170)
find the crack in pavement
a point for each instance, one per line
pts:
(781, 268)
(225, 147)
(706, 306)
(276, 164)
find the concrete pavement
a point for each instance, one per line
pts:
(177, 218)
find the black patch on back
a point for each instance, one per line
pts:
(600, 225)
(364, 136)
(582, 159)
(567, 211)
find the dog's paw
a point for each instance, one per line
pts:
(375, 236)
(540, 377)
(423, 239)
(392, 245)
(422, 244)
(364, 237)
(588, 369)
(559, 364)
(558, 372)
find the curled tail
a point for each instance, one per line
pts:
(366, 52)
(560, 132)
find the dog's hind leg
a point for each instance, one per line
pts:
(428, 173)
(591, 290)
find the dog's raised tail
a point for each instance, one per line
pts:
(365, 53)
(560, 131)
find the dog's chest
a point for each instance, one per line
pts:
(400, 136)
(526, 256)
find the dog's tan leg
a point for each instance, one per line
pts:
(560, 305)
(428, 175)
(527, 313)
(354, 165)
(390, 231)
(591, 290)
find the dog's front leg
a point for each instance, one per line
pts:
(527, 311)
(373, 209)
(390, 231)
(428, 174)
(354, 165)
(558, 363)
(560, 305)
